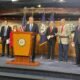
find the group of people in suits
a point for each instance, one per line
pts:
(62, 34)
(6, 39)
(5, 35)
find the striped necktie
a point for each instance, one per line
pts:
(50, 29)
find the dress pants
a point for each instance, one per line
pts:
(4, 45)
(63, 52)
(12, 52)
(34, 47)
(77, 49)
(51, 49)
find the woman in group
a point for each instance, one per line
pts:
(51, 39)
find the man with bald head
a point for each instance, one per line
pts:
(32, 27)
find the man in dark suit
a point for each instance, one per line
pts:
(32, 27)
(51, 39)
(5, 35)
(77, 42)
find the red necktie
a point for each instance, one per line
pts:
(50, 29)
(62, 29)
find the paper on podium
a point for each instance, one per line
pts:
(73, 45)
(48, 37)
(7, 41)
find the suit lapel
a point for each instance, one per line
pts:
(8, 28)
(32, 27)
(52, 30)
(28, 27)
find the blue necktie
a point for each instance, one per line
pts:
(5, 31)
(30, 27)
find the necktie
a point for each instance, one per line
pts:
(5, 31)
(30, 27)
(50, 29)
(62, 29)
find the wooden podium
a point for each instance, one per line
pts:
(23, 48)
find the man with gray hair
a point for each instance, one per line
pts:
(32, 27)
(63, 39)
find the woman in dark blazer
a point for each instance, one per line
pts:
(51, 39)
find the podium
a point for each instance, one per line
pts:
(23, 48)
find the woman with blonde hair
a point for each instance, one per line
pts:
(51, 39)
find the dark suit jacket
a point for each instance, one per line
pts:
(34, 28)
(77, 36)
(54, 31)
(8, 32)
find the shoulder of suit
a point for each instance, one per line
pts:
(27, 24)
(2, 27)
(47, 27)
(35, 24)
(55, 27)
(9, 27)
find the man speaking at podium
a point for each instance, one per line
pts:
(32, 27)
